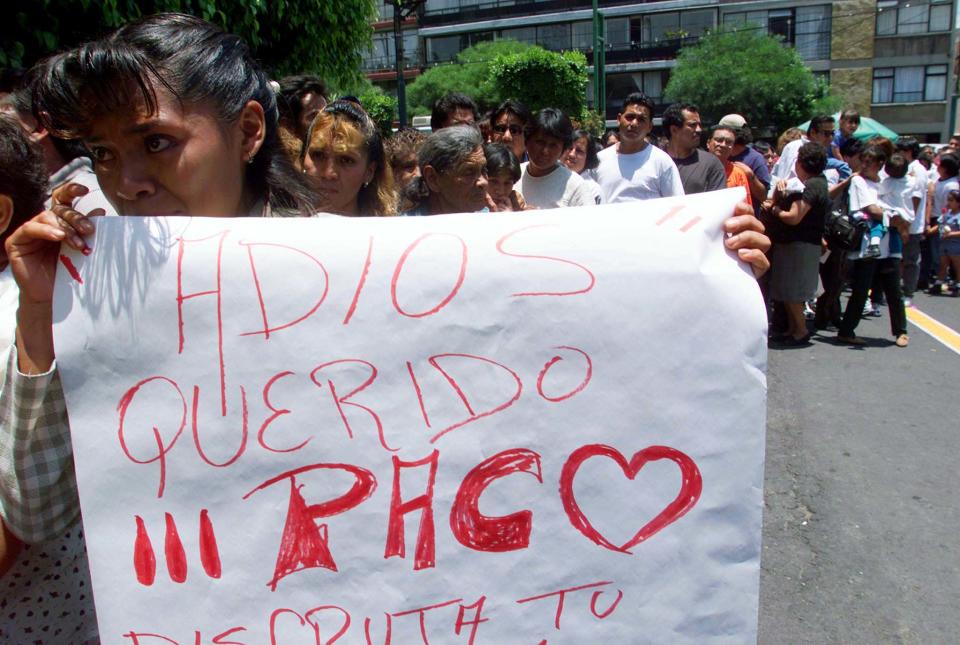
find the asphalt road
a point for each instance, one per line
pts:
(861, 530)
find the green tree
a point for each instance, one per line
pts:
(381, 107)
(469, 73)
(540, 78)
(287, 36)
(749, 73)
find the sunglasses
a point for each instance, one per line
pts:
(513, 128)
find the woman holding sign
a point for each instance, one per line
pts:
(179, 119)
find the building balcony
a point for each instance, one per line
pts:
(492, 9)
(635, 52)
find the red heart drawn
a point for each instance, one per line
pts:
(690, 489)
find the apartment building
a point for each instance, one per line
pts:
(892, 59)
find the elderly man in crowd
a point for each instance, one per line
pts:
(753, 164)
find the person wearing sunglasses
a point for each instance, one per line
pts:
(507, 127)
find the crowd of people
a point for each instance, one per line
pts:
(170, 115)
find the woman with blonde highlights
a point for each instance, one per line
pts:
(345, 158)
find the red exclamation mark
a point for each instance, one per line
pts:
(209, 553)
(173, 548)
(144, 561)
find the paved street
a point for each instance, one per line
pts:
(861, 537)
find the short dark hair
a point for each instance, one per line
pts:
(515, 108)
(638, 98)
(955, 194)
(850, 114)
(592, 148)
(951, 163)
(553, 123)
(851, 148)
(744, 136)
(292, 91)
(673, 116)
(23, 175)
(500, 158)
(817, 123)
(449, 103)
(908, 144)
(896, 165)
(875, 153)
(812, 157)
(762, 147)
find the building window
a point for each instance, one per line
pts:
(554, 37)
(583, 36)
(902, 17)
(383, 55)
(914, 84)
(443, 49)
(807, 28)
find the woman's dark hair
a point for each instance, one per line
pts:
(876, 153)
(762, 147)
(592, 148)
(500, 158)
(23, 175)
(292, 91)
(896, 166)
(194, 60)
(951, 164)
(376, 197)
(955, 194)
(553, 123)
(851, 148)
(812, 157)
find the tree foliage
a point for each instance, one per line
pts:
(469, 73)
(381, 107)
(751, 74)
(540, 78)
(287, 36)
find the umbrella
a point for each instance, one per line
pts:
(868, 128)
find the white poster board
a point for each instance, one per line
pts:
(544, 427)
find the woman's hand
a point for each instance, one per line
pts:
(745, 236)
(32, 252)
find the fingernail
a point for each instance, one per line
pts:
(86, 226)
(732, 240)
(87, 250)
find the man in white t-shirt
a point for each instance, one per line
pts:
(909, 147)
(633, 169)
(545, 182)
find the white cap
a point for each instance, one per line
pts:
(733, 121)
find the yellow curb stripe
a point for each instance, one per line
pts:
(934, 328)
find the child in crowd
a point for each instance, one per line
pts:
(949, 231)
(896, 199)
(503, 171)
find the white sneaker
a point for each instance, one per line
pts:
(868, 309)
(907, 302)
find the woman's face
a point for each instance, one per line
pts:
(462, 188)
(953, 204)
(181, 160)
(337, 161)
(576, 157)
